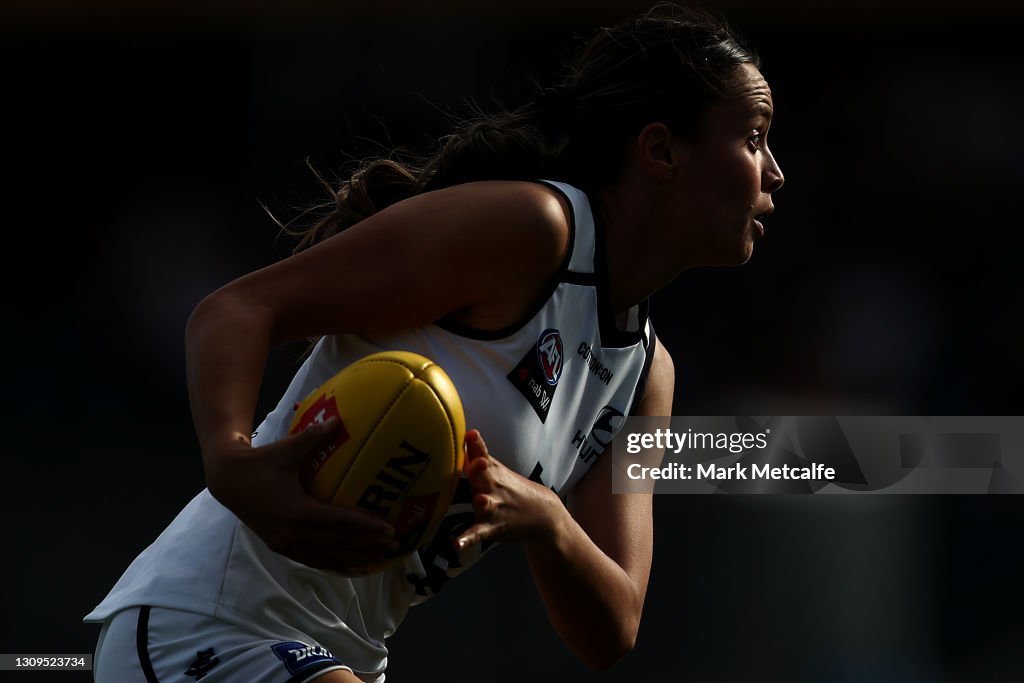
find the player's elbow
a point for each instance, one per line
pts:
(226, 308)
(209, 310)
(619, 637)
(606, 659)
(617, 646)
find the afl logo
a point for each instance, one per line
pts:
(549, 355)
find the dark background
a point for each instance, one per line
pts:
(141, 139)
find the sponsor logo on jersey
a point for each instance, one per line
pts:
(299, 656)
(597, 368)
(591, 445)
(536, 376)
(550, 355)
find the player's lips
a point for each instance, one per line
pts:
(758, 225)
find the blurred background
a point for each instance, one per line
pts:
(142, 140)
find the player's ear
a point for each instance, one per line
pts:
(658, 150)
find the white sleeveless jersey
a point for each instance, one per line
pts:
(547, 394)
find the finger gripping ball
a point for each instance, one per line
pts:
(398, 451)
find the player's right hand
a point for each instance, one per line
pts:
(262, 487)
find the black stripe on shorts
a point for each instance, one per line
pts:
(142, 644)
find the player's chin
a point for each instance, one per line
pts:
(741, 252)
(746, 246)
(734, 250)
(734, 254)
(748, 251)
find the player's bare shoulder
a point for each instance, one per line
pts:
(518, 234)
(513, 219)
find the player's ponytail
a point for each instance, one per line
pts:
(504, 146)
(375, 185)
(668, 64)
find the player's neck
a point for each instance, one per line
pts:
(638, 264)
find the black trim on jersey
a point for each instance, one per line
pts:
(571, 277)
(455, 327)
(611, 335)
(582, 279)
(557, 277)
(142, 645)
(641, 382)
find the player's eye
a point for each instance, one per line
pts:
(756, 140)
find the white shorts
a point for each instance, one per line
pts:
(154, 645)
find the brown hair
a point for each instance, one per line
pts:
(667, 64)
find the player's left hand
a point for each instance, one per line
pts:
(507, 506)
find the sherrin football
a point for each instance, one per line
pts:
(398, 452)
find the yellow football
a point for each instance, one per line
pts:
(398, 452)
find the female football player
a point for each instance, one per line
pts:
(519, 257)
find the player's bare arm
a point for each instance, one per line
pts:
(383, 273)
(591, 563)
